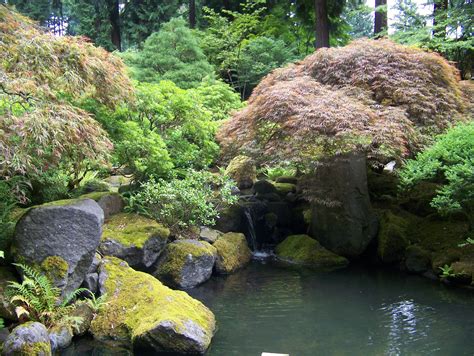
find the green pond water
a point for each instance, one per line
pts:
(355, 311)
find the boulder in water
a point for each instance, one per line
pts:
(306, 251)
(232, 252)
(60, 238)
(143, 313)
(31, 338)
(186, 263)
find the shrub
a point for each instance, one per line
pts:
(173, 53)
(450, 161)
(274, 172)
(183, 203)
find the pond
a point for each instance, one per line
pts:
(354, 311)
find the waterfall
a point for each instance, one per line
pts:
(252, 235)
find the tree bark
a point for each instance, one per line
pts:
(192, 13)
(380, 24)
(115, 35)
(322, 24)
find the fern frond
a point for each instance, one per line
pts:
(74, 295)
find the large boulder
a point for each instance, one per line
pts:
(230, 219)
(186, 263)
(209, 235)
(60, 336)
(133, 238)
(143, 313)
(243, 171)
(60, 238)
(232, 252)
(392, 237)
(306, 251)
(110, 202)
(342, 219)
(28, 339)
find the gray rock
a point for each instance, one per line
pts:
(60, 337)
(86, 314)
(31, 338)
(417, 260)
(61, 238)
(186, 263)
(95, 263)
(134, 238)
(91, 282)
(110, 202)
(230, 219)
(209, 235)
(342, 219)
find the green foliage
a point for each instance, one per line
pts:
(450, 161)
(217, 97)
(359, 18)
(274, 172)
(447, 271)
(37, 295)
(173, 53)
(97, 303)
(182, 203)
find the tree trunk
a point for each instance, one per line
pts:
(322, 24)
(192, 13)
(380, 24)
(115, 22)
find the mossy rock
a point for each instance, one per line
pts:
(142, 312)
(243, 171)
(284, 188)
(464, 271)
(417, 259)
(418, 200)
(186, 263)
(264, 187)
(232, 252)
(230, 219)
(56, 269)
(287, 179)
(28, 339)
(134, 238)
(392, 237)
(110, 202)
(306, 251)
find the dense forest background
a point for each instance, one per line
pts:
(241, 42)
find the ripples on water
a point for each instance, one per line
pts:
(355, 311)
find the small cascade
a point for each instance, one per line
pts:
(251, 233)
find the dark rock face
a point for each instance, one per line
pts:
(28, 339)
(61, 238)
(264, 187)
(85, 312)
(7, 310)
(342, 219)
(111, 203)
(186, 263)
(230, 219)
(417, 260)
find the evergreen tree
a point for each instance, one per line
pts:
(359, 18)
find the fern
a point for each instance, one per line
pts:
(41, 298)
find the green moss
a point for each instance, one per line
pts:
(133, 229)
(304, 250)
(97, 195)
(232, 252)
(35, 349)
(138, 303)
(307, 215)
(177, 253)
(55, 268)
(392, 239)
(60, 202)
(242, 169)
(284, 188)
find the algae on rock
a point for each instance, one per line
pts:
(232, 252)
(142, 312)
(306, 251)
(186, 263)
(134, 238)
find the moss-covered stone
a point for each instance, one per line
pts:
(243, 171)
(232, 252)
(306, 251)
(28, 339)
(417, 259)
(141, 311)
(110, 202)
(392, 239)
(284, 188)
(133, 229)
(97, 195)
(55, 268)
(186, 263)
(134, 238)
